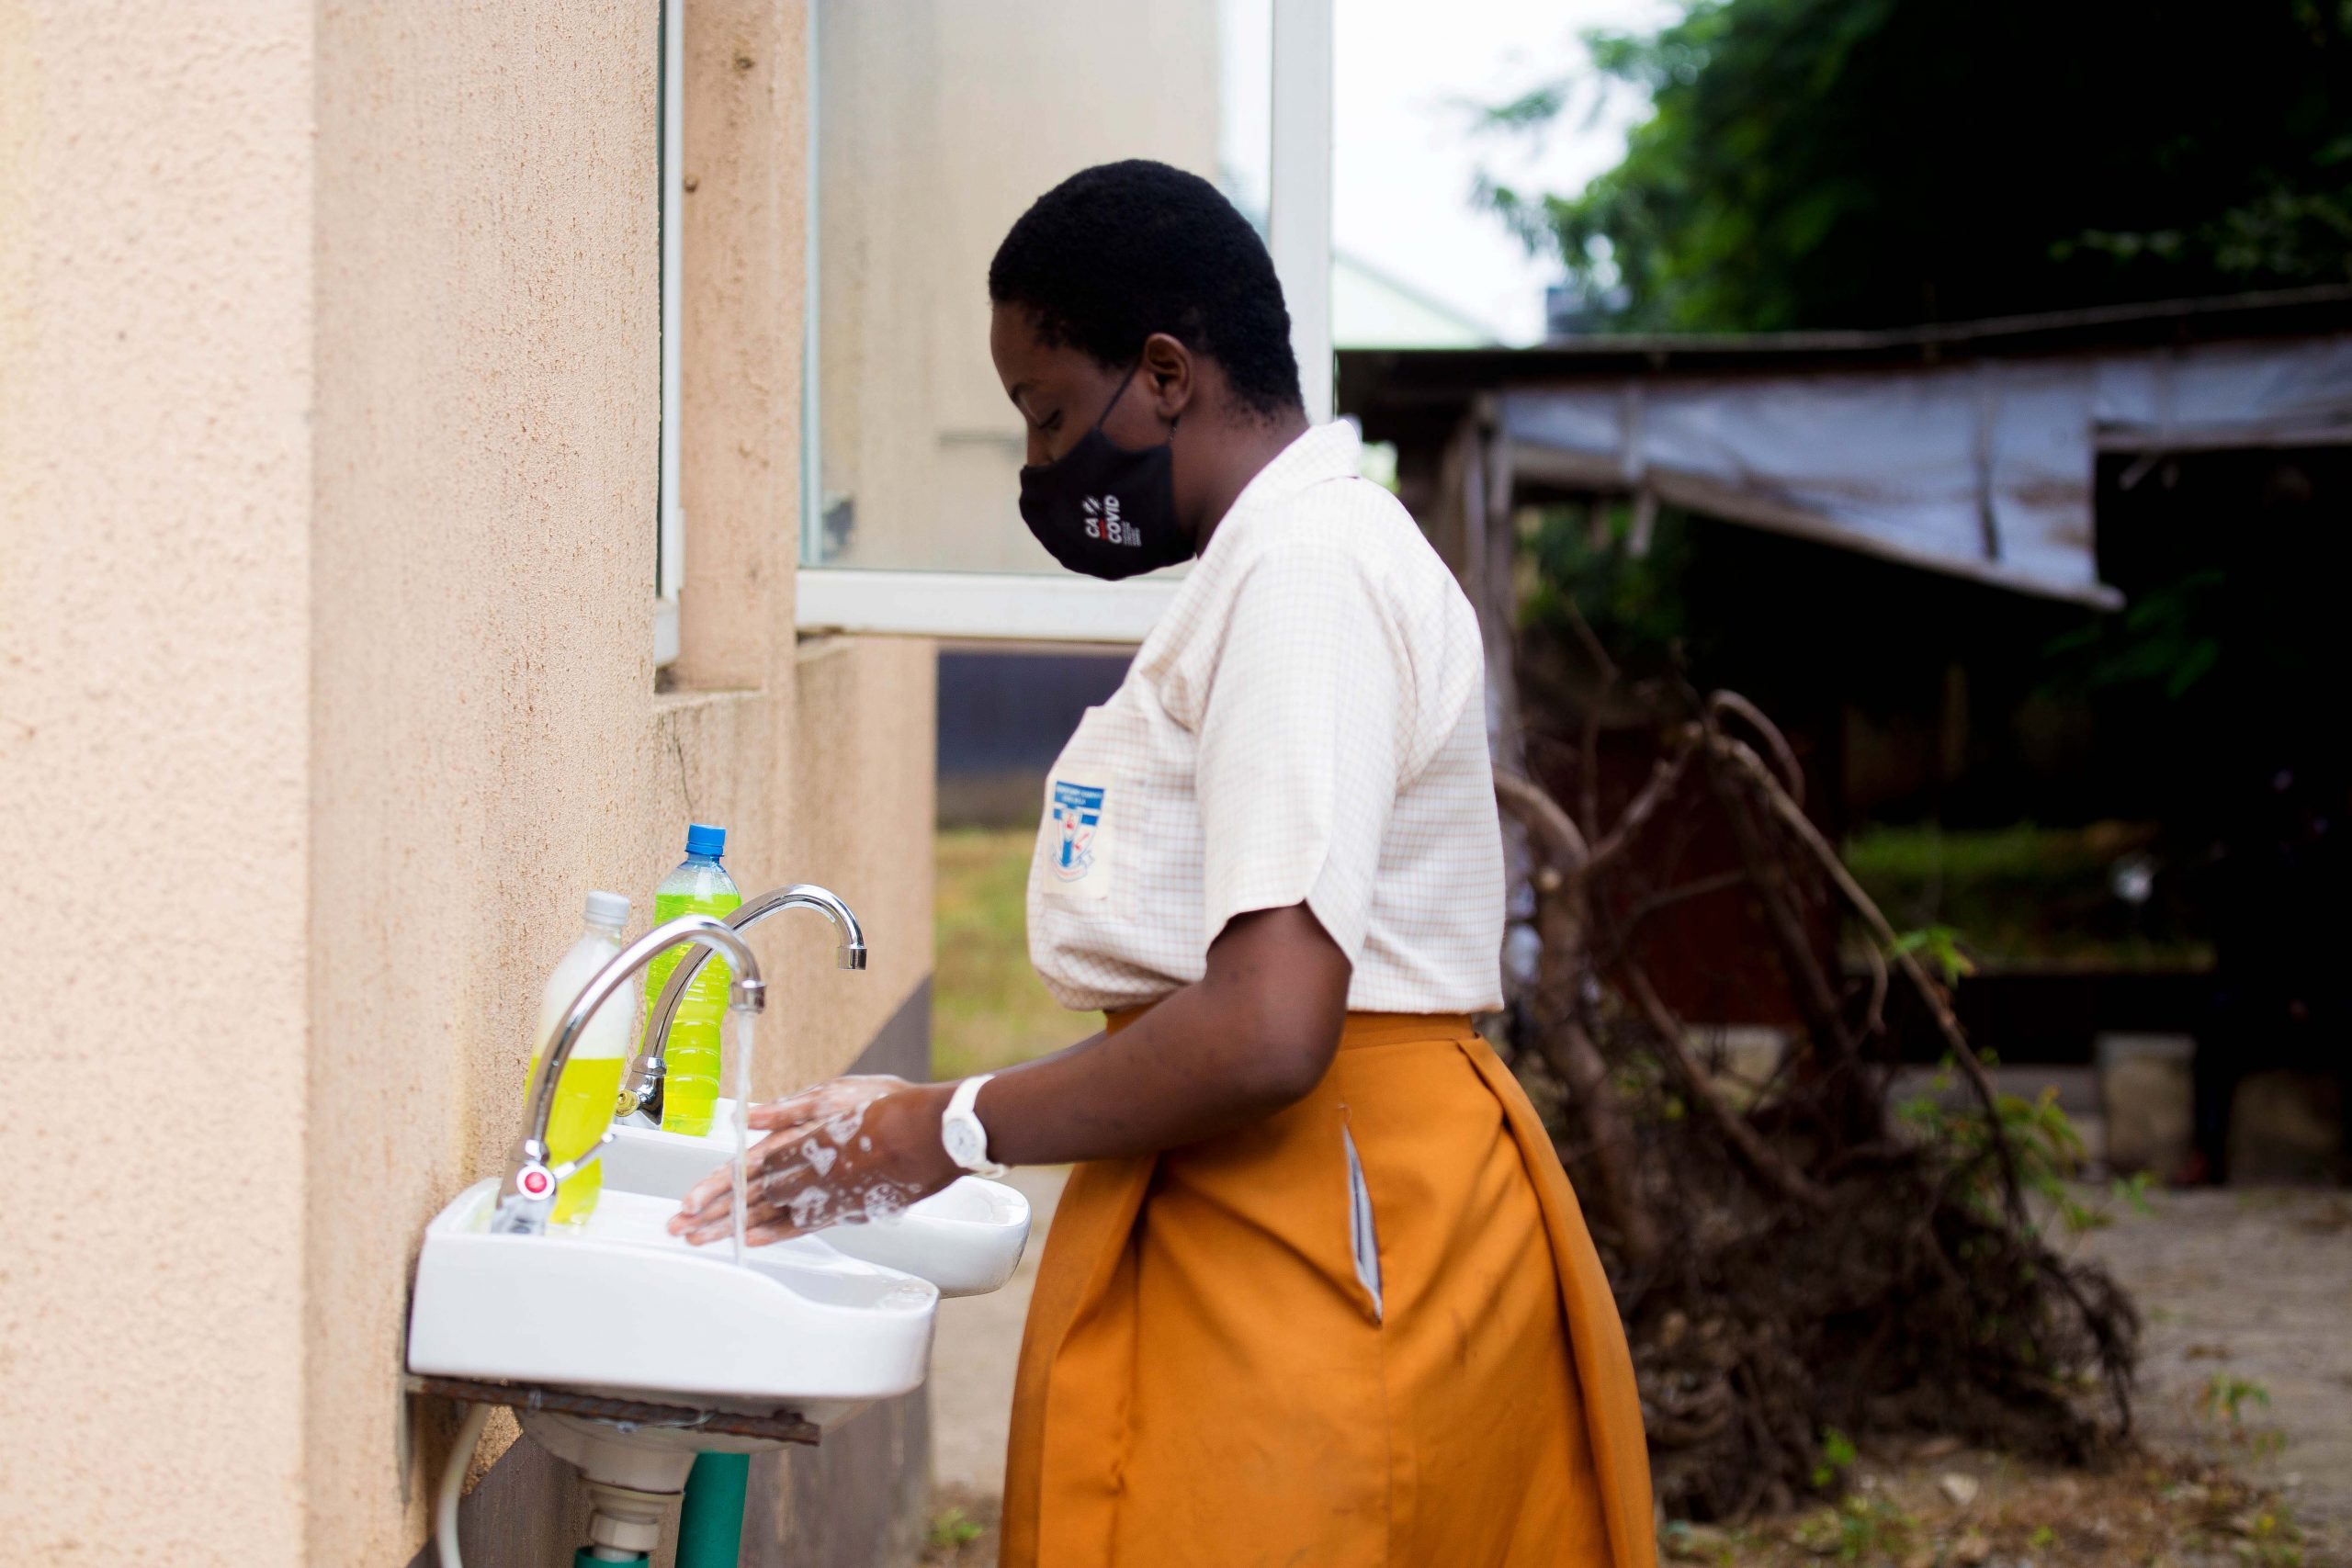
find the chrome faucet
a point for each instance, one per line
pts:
(642, 1085)
(527, 1196)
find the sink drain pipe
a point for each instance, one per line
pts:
(625, 1523)
(710, 1523)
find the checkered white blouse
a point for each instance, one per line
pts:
(1306, 724)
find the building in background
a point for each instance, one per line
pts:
(1907, 547)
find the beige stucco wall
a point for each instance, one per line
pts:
(329, 397)
(155, 345)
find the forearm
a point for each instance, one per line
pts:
(1256, 1033)
(1176, 1075)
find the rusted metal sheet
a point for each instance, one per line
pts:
(782, 1426)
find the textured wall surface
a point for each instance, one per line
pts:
(489, 747)
(488, 415)
(154, 481)
(329, 408)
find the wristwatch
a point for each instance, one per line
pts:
(960, 1130)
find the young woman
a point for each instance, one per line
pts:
(1317, 1293)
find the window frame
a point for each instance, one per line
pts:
(1018, 606)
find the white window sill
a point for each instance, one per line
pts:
(665, 633)
(980, 606)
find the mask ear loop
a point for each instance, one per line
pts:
(1104, 418)
(1101, 418)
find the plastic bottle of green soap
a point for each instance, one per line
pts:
(584, 1096)
(699, 887)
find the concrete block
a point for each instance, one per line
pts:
(2286, 1128)
(2147, 1098)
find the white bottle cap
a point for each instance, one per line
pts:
(608, 909)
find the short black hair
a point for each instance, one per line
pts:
(1121, 251)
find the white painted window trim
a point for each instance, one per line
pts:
(981, 606)
(1298, 199)
(1020, 607)
(670, 542)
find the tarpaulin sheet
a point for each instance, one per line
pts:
(1984, 467)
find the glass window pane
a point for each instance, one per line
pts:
(938, 121)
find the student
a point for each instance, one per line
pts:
(1318, 1291)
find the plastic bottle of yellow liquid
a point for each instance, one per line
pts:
(590, 1086)
(699, 887)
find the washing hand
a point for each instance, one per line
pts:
(844, 1151)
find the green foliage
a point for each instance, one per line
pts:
(2131, 1192)
(1939, 947)
(2168, 643)
(951, 1531)
(1860, 1528)
(1836, 1458)
(1865, 162)
(2225, 1397)
(1635, 603)
(2042, 1139)
(2023, 893)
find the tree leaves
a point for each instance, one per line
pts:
(1874, 162)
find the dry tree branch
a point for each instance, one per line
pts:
(1761, 1159)
(1562, 912)
(1664, 776)
(1796, 1223)
(1624, 926)
(1809, 983)
(1588, 756)
(1785, 755)
(1791, 817)
(1875, 1015)
(1559, 842)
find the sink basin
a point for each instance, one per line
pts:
(965, 1240)
(620, 1306)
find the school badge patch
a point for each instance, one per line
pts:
(1077, 817)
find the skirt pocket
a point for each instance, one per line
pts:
(1363, 1239)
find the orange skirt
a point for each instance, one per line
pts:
(1371, 1330)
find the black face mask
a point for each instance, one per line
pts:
(1104, 509)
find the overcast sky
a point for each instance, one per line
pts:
(1406, 156)
(1409, 75)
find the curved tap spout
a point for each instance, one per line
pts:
(527, 1196)
(641, 1086)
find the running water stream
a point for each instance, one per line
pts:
(746, 1024)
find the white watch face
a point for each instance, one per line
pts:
(967, 1144)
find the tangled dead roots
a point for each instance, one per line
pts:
(1800, 1254)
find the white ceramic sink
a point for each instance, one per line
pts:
(966, 1240)
(620, 1306)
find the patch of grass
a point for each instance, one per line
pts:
(2027, 894)
(1836, 1458)
(989, 1009)
(951, 1531)
(2225, 1400)
(1860, 1528)
(961, 1532)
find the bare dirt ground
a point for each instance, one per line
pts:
(2249, 1292)
(2248, 1301)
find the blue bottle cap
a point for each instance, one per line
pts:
(702, 838)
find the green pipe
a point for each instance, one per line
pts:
(710, 1524)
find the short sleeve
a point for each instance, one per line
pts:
(1302, 742)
